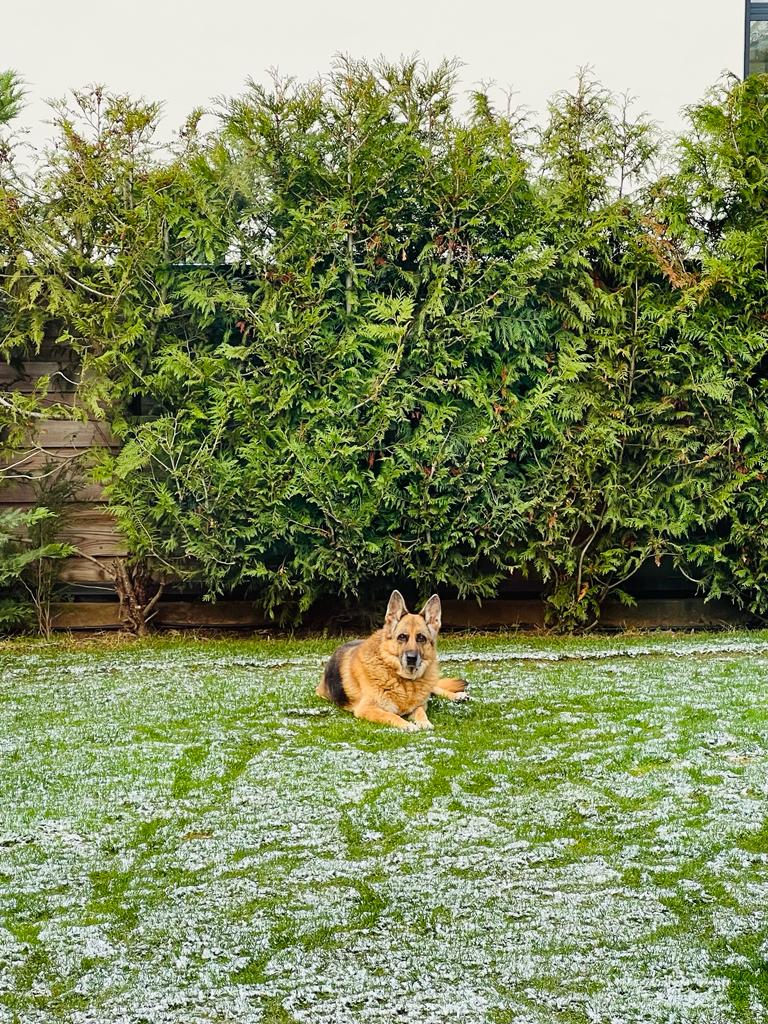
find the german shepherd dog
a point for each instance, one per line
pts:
(389, 677)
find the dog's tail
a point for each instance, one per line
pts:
(450, 685)
(332, 685)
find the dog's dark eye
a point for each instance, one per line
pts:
(402, 638)
(420, 638)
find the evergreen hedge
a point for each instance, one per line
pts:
(353, 336)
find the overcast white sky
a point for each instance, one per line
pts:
(666, 52)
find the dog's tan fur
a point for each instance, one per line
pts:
(372, 678)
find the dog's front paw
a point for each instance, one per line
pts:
(408, 727)
(462, 695)
(423, 725)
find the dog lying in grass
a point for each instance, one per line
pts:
(389, 677)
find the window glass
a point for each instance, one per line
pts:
(758, 47)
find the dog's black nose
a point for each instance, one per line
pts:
(411, 660)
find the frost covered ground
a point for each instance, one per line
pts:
(188, 834)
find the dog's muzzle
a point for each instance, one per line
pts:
(411, 660)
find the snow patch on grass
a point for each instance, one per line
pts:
(187, 834)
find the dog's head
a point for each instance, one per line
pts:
(409, 640)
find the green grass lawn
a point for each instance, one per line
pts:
(188, 834)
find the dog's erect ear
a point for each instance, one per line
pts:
(432, 615)
(395, 611)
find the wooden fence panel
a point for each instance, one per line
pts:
(31, 463)
(58, 443)
(78, 434)
(93, 530)
(23, 492)
(457, 615)
(63, 376)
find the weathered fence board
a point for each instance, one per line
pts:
(691, 613)
(31, 463)
(73, 434)
(23, 492)
(87, 615)
(83, 572)
(93, 531)
(63, 376)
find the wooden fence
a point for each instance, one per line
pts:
(665, 599)
(57, 446)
